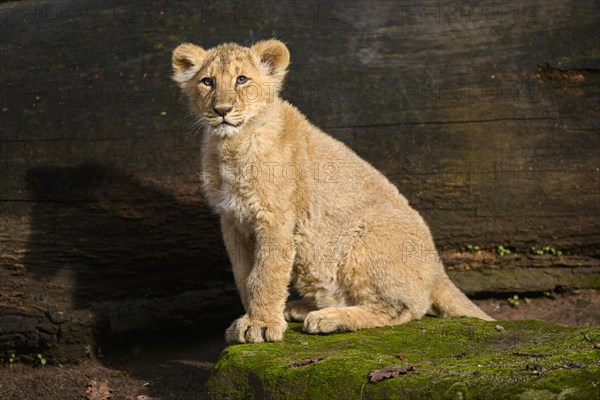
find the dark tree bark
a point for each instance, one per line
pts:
(484, 115)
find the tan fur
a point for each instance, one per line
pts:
(299, 207)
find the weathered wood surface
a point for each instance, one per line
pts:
(484, 114)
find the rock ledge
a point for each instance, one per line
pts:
(457, 358)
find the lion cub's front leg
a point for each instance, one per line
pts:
(241, 253)
(266, 286)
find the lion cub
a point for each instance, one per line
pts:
(299, 207)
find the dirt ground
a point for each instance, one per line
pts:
(177, 368)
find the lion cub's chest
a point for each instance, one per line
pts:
(236, 189)
(236, 200)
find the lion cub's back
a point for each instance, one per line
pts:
(346, 180)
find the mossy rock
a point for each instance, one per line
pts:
(455, 358)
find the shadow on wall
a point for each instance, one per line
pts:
(102, 240)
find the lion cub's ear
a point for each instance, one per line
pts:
(186, 61)
(274, 55)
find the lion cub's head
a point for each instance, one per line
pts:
(229, 85)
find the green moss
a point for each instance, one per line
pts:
(458, 358)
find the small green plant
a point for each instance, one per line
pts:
(535, 250)
(42, 359)
(472, 248)
(514, 301)
(527, 300)
(548, 294)
(502, 251)
(12, 358)
(540, 251)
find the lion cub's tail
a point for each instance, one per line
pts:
(449, 301)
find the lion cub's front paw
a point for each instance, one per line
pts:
(247, 330)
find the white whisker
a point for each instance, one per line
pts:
(196, 125)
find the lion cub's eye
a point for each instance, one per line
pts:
(207, 81)
(241, 80)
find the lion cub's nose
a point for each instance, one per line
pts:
(222, 109)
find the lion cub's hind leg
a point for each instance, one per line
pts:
(297, 310)
(381, 288)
